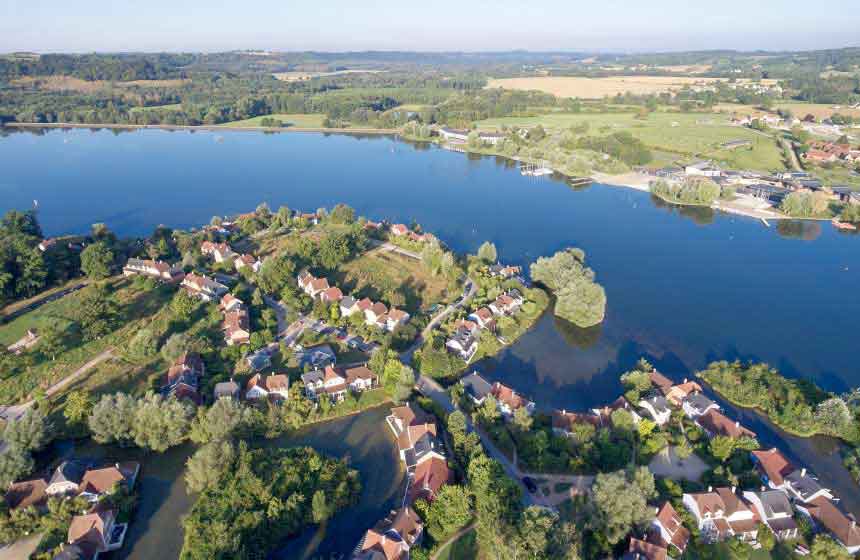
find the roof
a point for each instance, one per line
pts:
(347, 302)
(803, 484)
(773, 464)
(717, 423)
(430, 476)
(684, 388)
(90, 527)
(564, 420)
(834, 520)
(69, 471)
(699, 401)
(379, 308)
(476, 386)
(26, 493)
(397, 315)
(360, 372)
(775, 503)
(642, 550)
(484, 314)
(269, 383)
(364, 304)
(226, 388)
(333, 294)
(508, 396)
(100, 481)
(671, 521)
(658, 403)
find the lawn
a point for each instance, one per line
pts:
(288, 120)
(378, 274)
(464, 548)
(685, 134)
(596, 88)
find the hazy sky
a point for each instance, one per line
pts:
(637, 25)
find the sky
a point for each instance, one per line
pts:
(429, 25)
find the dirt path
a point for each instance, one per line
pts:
(453, 538)
(15, 411)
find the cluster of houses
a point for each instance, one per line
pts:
(375, 314)
(507, 400)
(401, 230)
(222, 252)
(831, 152)
(722, 513)
(420, 447)
(92, 533)
(335, 382)
(464, 340)
(461, 136)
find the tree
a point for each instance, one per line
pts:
(450, 510)
(220, 421)
(112, 419)
(487, 252)
(834, 416)
(619, 505)
(405, 384)
(342, 214)
(78, 407)
(207, 465)
(95, 312)
(175, 346)
(579, 299)
(29, 432)
(488, 412)
(622, 420)
(722, 447)
(51, 342)
(96, 261)
(182, 306)
(160, 423)
(765, 537)
(14, 463)
(825, 548)
(522, 419)
(143, 344)
(319, 507)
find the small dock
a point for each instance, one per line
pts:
(535, 170)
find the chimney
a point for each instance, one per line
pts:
(685, 380)
(656, 510)
(763, 489)
(710, 488)
(563, 411)
(803, 472)
(734, 489)
(737, 424)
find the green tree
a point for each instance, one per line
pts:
(97, 260)
(78, 407)
(825, 548)
(51, 342)
(448, 512)
(522, 420)
(579, 299)
(319, 507)
(208, 464)
(220, 421)
(160, 423)
(487, 252)
(112, 419)
(29, 432)
(722, 447)
(143, 344)
(405, 384)
(175, 346)
(620, 504)
(182, 306)
(96, 311)
(14, 463)
(765, 537)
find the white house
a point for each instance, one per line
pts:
(657, 408)
(775, 511)
(268, 386)
(697, 404)
(219, 251)
(721, 514)
(327, 381)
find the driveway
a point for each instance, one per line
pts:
(668, 465)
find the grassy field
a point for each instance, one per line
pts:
(594, 88)
(299, 121)
(837, 176)
(464, 548)
(377, 274)
(684, 134)
(820, 111)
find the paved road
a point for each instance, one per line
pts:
(468, 293)
(15, 411)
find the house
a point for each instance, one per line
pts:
(657, 408)
(498, 270)
(802, 486)
(96, 532)
(183, 377)
(721, 514)
(491, 138)
(399, 230)
(819, 156)
(697, 404)
(775, 511)
(66, 478)
(827, 517)
(30, 339)
(328, 381)
(463, 344)
(505, 304)
(773, 467)
(203, 287)
(677, 393)
(429, 476)
(563, 421)
(771, 193)
(361, 378)
(331, 295)
(27, 493)
(509, 401)
(396, 317)
(476, 387)
(484, 318)
(416, 435)
(154, 269)
(715, 423)
(456, 135)
(374, 313)
(659, 380)
(221, 252)
(670, 528)
(312, 285)
(465, 325)
(231, 303)
(249, 261)
(226, 390)
(317, 356)
(260, 359)
(46, 244)
(703, 168)
(371, 225)
(643, 550)
(392, 537)
(237, 329)
(275, 387)
(348, 306)
(99, 482)
(605, 413)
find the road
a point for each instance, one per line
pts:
(789, 147)
(468, 293)
(15, 411)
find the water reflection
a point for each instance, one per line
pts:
(798, 229)
(700, 215)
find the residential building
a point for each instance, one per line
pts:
(509, 401)
(260, 359)
(660, 381)
(429, 476)
(183, 377)
(399, 230)
(772, 466)
(802, 486)
(361, 378)
(348, 306)
(220, 252)
(317, 356)
(46, 244)
(66, 478)
(331, 295)
(226, 390)
(96, 532)
(392, 537)
(476, 387)
(274, 387)
(455, 135)
(721, 514)
(715, 423)
(249, 261)
(505, 271)
(563, 421)
(703, 168)
(396, 318)
(697, 404)
(154, 269)
(605, 413)
(643, 550)
(484, 318)
(203, 287)
(827, 517)
(375, 312)
(231, 303)
(416, 435)
(312, 285)
(463, 344)
(99, 482)
(677, 393)
(657, 407)
(506, 304)
(670, 528)
(236, 327)
(775, 511)
(328, 381)
(27, 493)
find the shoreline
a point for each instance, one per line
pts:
(203, 127)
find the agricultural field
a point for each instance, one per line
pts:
(379, 274)
(71, 83)
(820, 111)
(294, 120)
(683, 134)
(595, 88)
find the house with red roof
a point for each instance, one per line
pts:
(416, 435)
(509, 401)
(183, 377)
(392, 537)
(715, 423)
(669, 528)
(826, 516)
(721, 514)
(249, 261)
(94, 533)
(484, 318)
(158, 270)
(273, 387)
(429, 476)
(312, 285)
(220, 252)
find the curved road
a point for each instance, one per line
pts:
(469, 292)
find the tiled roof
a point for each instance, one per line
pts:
(717, 423)
(831, 518)
(774, 465)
